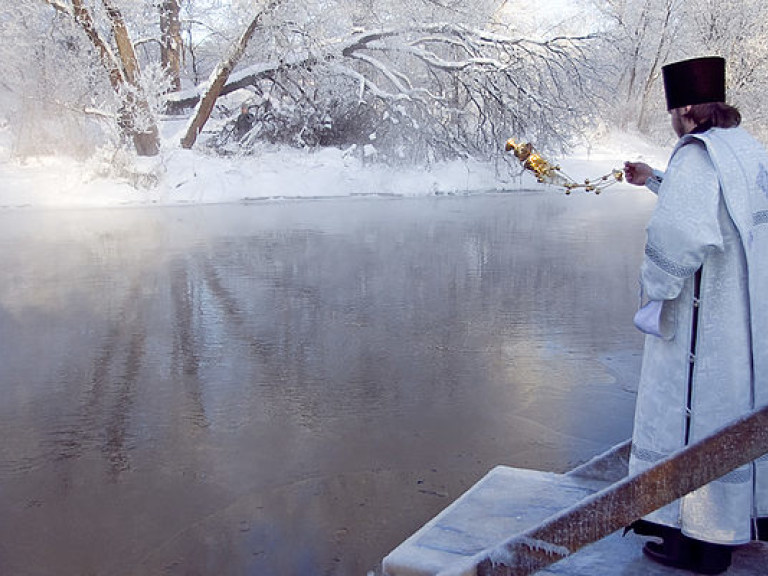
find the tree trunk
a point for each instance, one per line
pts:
(219, 78)
(662, 50)
(123, 71)
(146, 143)
(83, 18)
(145, 140)
(171, 44)
(124, 43)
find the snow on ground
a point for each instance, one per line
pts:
(180, 176)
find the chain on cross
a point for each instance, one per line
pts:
(548, 173)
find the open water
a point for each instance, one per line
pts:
(293, 388)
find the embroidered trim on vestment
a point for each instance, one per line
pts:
(762, 179)
(667, 265)
(760, 218)
(736, 477)
(647, 455)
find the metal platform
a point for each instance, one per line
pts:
(508, 501)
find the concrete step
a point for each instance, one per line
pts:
(508, 501)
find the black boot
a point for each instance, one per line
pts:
(675, 550)
(711, 558)
(644, 528)
(762, 529)
(680, 551)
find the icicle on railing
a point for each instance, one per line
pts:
(548, 173)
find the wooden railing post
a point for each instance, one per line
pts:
(622, 503)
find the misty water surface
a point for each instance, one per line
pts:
(295, 387)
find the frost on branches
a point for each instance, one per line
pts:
(419, 92)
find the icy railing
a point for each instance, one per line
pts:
(620, 504)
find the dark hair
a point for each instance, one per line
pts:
(714, 115)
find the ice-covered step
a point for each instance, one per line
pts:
(509, 501)
(505, 502)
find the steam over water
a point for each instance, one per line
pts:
(295, 387)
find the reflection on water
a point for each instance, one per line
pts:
(294, 388)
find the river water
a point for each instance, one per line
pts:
(293, 388)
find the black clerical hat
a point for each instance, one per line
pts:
(694, 81)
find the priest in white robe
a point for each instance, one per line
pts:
(704, 283)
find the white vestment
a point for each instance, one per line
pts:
(712, 215)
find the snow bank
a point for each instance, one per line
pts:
(180, 176)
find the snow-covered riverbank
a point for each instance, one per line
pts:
(178, 176)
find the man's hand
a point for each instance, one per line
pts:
(637, 172)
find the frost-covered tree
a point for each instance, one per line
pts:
(736, 30)
(220, 75)
(413, 80)
(81, 73)
(410, 79)
(641, 36)
(639, 40)
(117, 55)
(171, 42)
